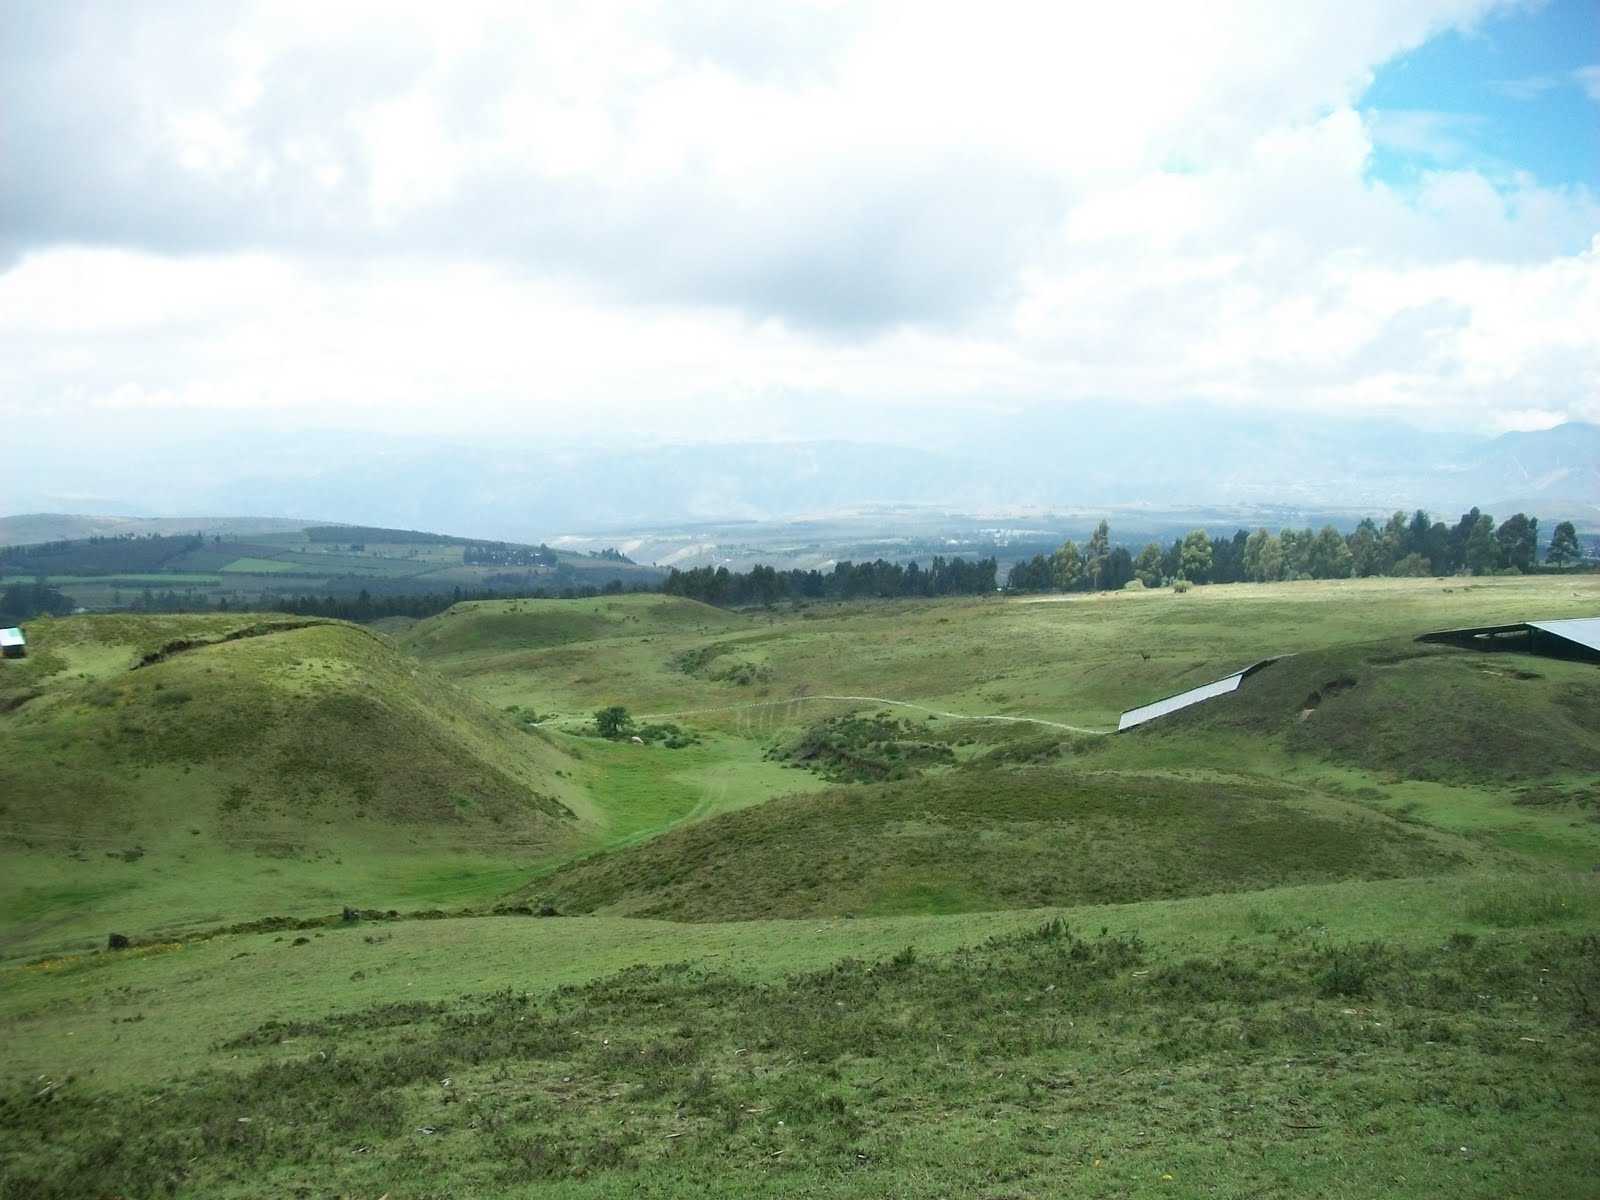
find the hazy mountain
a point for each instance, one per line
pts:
(28, 529)
(523, 489)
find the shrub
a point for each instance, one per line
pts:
(1534, 902)
(613, 722)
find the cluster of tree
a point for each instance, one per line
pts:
(111, 555)
(21, 601)
(172, 601)
(847, 581)
(501, 554)
(1098, 566)
(1414, 545)
(611, 554)
(360, 607)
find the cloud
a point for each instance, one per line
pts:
(704, 219)
(1533, 87)
(1435, 137)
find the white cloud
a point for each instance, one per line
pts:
(695, 218)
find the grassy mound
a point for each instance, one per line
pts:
(149, 753)
(500, 626)
(983, 839)
(1417, 711)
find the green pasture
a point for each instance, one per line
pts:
(1336, 934)
(260, 566)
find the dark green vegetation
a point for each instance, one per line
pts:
(1348, 941)
(1417, 712)
(865, 749)
(21, 602)
(1405, 546)
(846, 581)
(991, 839)
(1041, 1062)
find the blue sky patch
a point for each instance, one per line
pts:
(1519, 95)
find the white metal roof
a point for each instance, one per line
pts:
(1171, 704)
(1583, 630)
(12, 637)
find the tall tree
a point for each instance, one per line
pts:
(1118, 568)
(1066, 567)
(1366, 550)
(1483, 550)
(1330, 557)
(1393, 542)
(1437, 549)
(1296, 552)
(1253, 546)
(1460, 534)
(1417, 533)
(1147, 567)
(1094, 557)
(1564, 547)
(1272, 559)
(1518, 536)
(1195, 557)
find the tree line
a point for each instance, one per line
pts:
(846, 581)
(100, 555)
(21, 601)
(1414, 545)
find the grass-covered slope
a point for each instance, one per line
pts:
(495, 627)
(166, 770)
(1039, 1062)
(991, 839)
(1415, 711)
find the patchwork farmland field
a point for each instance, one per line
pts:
(111, 572)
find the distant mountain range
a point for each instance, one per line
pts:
(1034, 462)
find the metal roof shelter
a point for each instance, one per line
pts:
(1577, 637)
(1171, 704)
(12, 643)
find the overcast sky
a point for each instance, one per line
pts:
(722, 220)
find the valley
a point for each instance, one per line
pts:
(401, 920)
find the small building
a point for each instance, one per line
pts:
(12, 643)
(1577, 638)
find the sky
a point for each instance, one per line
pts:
(715, 221)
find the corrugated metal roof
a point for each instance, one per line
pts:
(1171, 704)
(1583, 630)
(1468, 632)
(12, 637)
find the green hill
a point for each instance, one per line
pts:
(496, 627)
(991, 839)
(1415, 711)
(164, 771)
